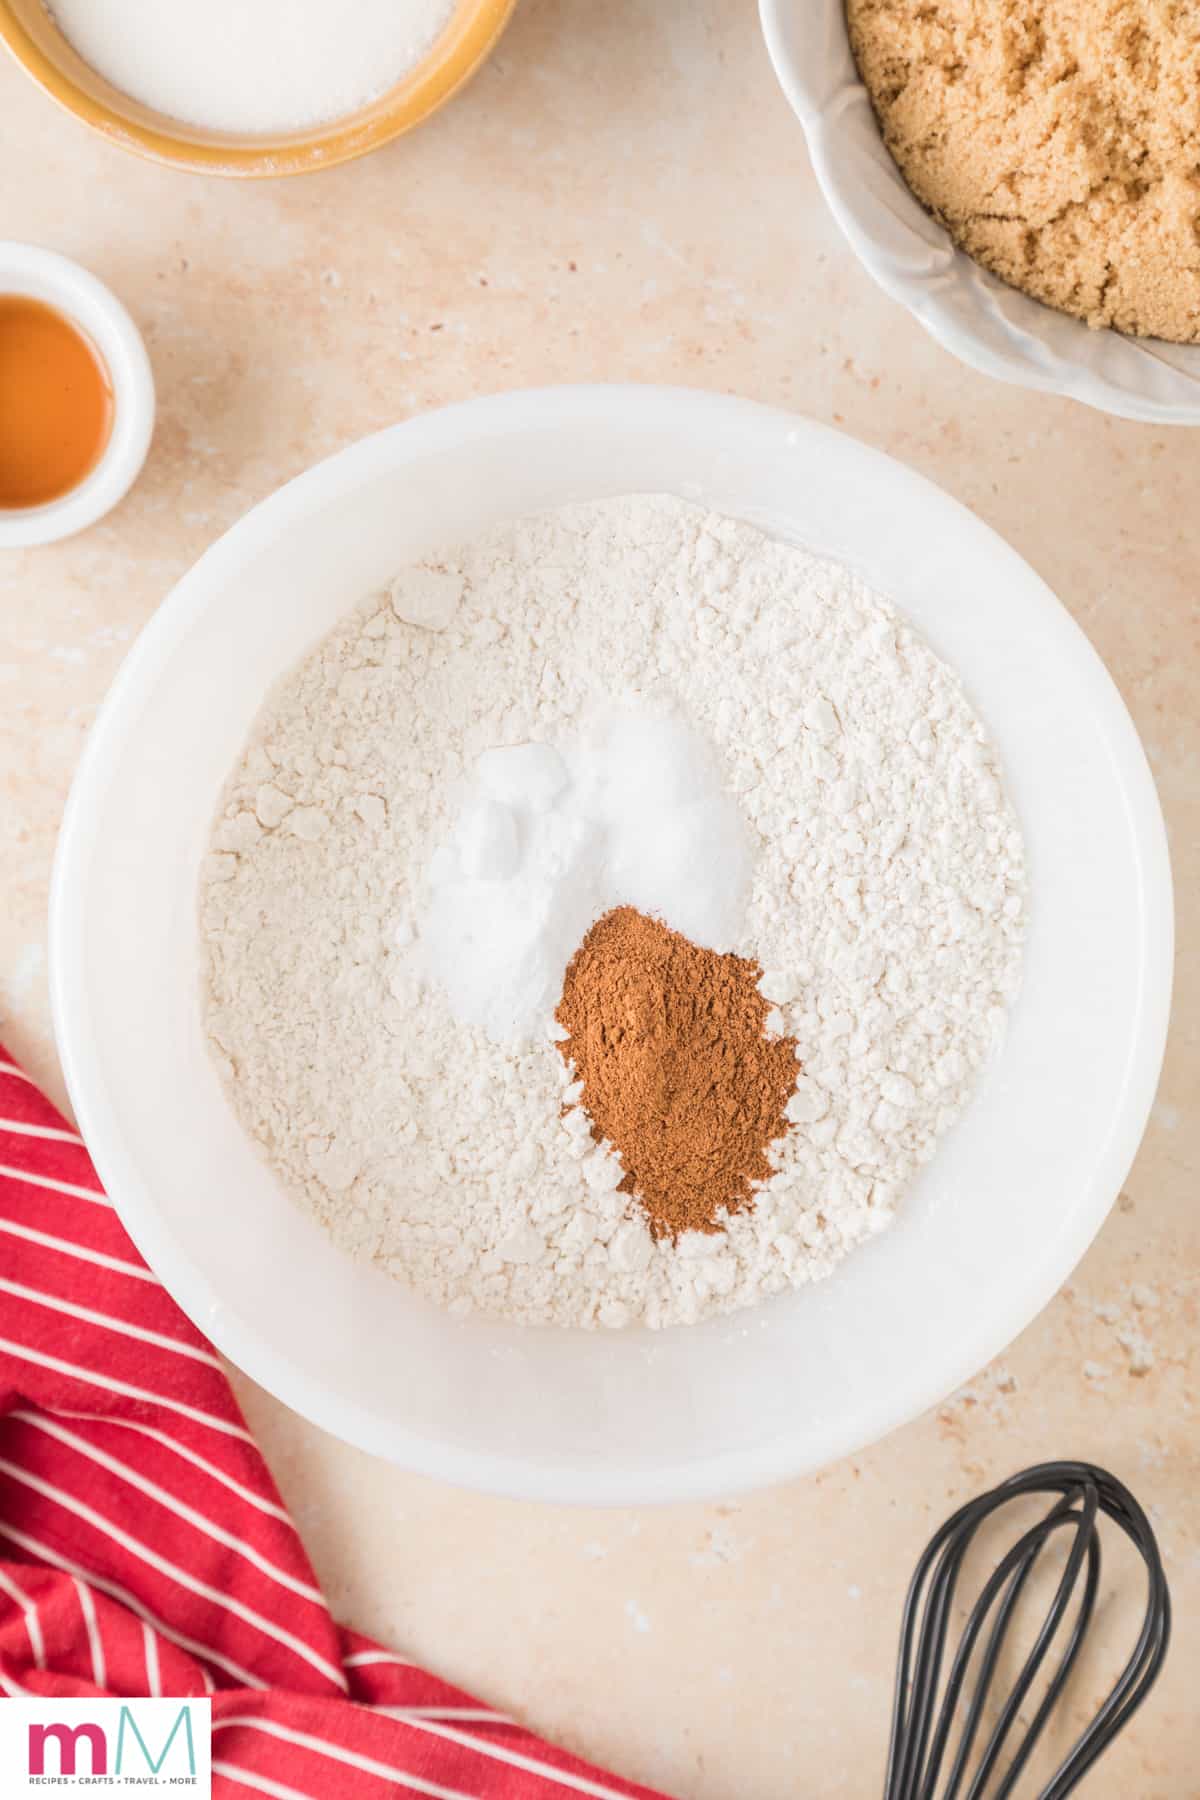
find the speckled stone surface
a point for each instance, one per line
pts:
(624, 194)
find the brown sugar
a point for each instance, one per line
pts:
(1057, 140)
(678, 1074)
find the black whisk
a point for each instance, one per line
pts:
(923, 1721)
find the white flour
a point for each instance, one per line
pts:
(886, 907)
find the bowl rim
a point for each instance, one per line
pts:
(926, 296)
(238, 1338)
(464, 45)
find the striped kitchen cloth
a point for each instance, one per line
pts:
(144, 1549)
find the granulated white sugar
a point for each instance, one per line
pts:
(252, 66)
(885, 904)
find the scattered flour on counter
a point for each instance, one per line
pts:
(885, 903)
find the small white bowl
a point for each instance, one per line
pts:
(60, 283)
(994, 1224)
(979, 318)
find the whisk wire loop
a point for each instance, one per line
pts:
(1062, 1674)
(926, 1708)
(1024, 1558)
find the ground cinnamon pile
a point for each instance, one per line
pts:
(678, 1074)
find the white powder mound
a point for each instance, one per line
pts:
(633, 814)
(886, 905)
(252, 66)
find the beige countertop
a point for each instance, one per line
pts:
(623, 194)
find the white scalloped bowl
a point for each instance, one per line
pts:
(981, 320)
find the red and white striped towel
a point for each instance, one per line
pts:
(144, 1548)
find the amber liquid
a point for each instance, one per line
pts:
(55, 403)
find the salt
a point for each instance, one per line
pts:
(486, 841)
(634, 813)
(270, 66)
(525, 775)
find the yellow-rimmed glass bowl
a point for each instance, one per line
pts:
(40, 47)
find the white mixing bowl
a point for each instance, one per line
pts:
(994, 1225)
(981, 320)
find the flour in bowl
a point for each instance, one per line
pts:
(433, 1126)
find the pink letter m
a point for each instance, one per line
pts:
(68, 1740)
